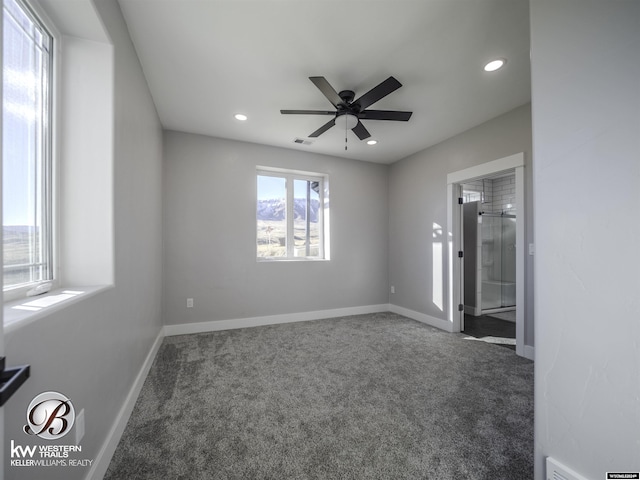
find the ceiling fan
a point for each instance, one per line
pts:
(349, 112)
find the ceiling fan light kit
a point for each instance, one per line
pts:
(346, 121)
(349, 112)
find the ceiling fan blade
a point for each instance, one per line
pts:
(306, 112)
(324, 128)
(360, 131)
(376, 93)
(385, 115)
(328, 91)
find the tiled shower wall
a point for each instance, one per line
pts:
(503, 197)
(499, 194)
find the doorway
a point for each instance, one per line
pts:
(503, 290)
(489, 213)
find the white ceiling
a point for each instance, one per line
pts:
(207, 60)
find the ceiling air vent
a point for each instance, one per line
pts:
(302, 141)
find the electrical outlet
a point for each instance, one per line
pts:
(79, 426)
(393, 289)
(189, 302)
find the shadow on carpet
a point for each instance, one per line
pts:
(364, 397)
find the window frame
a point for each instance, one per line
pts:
(48, 183)
(323, 212)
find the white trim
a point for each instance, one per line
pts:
(455, 290)
(47, 187)
(473, 311)
(2, 339)
(283, 172)
(216, 325)
(489, 311)
(102, 460)
(290, 176)
(521, 248)
(14, 318)
(422, 318)
(529, 352)
(489, 168)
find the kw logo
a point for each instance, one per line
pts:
(18, 451)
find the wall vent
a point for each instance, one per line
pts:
(302, 141)
(557, 471)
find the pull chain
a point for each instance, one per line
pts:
(345, 136)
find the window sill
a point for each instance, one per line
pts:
(21, 312)
(285, 260)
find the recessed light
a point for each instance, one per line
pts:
(241, 117)
(494, 65)
(372, 142)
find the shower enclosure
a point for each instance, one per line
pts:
(498, 261)
(489, 260)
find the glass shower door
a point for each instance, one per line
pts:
(491, 262)
(498, 261)
(508, 261)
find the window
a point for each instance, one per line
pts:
(26, 143)
(291, 212)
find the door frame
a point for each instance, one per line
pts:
(454, 221)
(2, 451)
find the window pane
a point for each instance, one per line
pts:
(272, 217)
(306, 218)
(25, 148)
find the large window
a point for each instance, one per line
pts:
(291, 215)
(26, 142)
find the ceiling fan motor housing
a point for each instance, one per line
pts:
(347, 96)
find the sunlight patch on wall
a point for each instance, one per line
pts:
(437, 287)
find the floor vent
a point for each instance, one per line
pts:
(302, 141)
(557, 471)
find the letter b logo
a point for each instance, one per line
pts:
(50, 416)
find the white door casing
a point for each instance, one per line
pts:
(456, 295)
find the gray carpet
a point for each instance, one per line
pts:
(363, 397)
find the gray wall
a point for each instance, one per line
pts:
(209, 205)
(586, 125)
(418, 202)
(91, 351)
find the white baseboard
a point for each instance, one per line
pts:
(102, 460)
(216, 325)
(422, 317)
(529, 352)
(471, 311)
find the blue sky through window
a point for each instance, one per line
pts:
(25, 115)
